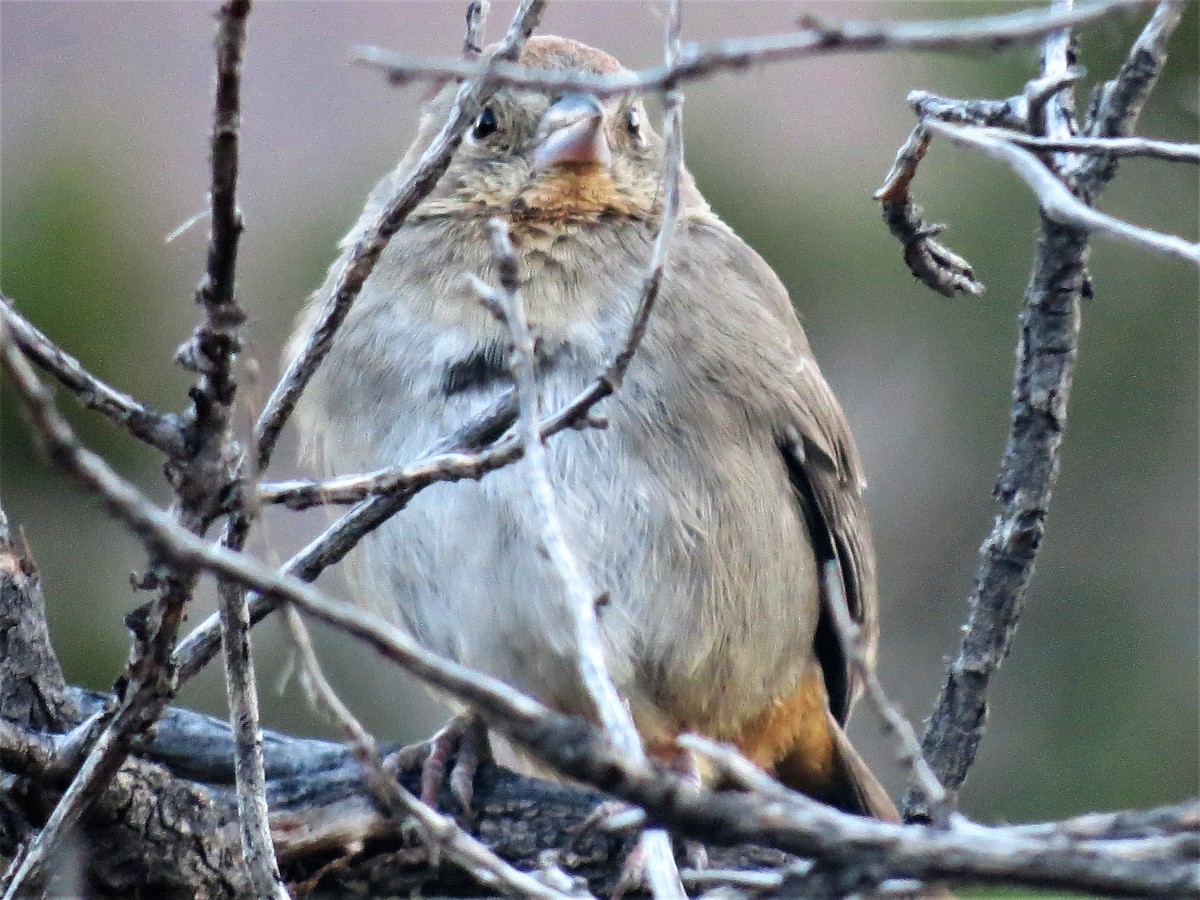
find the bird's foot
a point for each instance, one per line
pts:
(459, 749)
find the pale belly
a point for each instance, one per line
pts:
(697, 543)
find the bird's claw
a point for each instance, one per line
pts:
(457, 750)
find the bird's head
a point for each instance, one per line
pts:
(566, 158)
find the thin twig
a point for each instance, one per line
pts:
(367, 249)
(1110, 146)
(477, 13)
(331, 546)
(966, 852)
(614, 714)
(735, 767)
(702, 60)
(1058, 203)
(931, 262)
(249, 775)
(1012, 113)
(507, 304)
(216, 342)
(854, 648)
(1121, 100)
(159, 430)
(581, 595)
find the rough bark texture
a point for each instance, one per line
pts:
(168, 828)
(32, 690)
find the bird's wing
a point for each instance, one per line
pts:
(811, 432)
(837, 523)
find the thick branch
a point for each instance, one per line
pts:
(32, 690)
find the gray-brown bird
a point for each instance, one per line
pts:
(705, 510)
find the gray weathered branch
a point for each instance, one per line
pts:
(1046, 352)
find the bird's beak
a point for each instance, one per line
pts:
(572, 132)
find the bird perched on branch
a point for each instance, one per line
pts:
(704, 511)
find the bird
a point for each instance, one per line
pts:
(723, 483)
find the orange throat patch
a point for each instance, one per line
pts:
(576, 194)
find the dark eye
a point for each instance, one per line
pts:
(633, 121)
(485, 125)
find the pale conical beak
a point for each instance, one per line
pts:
(572, 132)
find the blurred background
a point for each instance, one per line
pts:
(104, 122)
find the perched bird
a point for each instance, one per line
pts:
(706, 509)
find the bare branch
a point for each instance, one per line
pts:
(340, 538)
(1178, 818)
(211, 352)
(212, 348)
(366, 251)
(235, 611)
(613, 712)
(1012, 113)
(1046, 353)
(161, 431)
(1109, 146)
(738, 769)
(1121, 100)
(201, 468)
(931, 262)
(1057, 202)
(199, 475)
(582, 597)
(702, 60)
(253, 815)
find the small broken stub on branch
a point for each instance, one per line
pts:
(933, 263)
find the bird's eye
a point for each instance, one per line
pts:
(633, 121)
(485, 125)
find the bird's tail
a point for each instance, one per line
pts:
(851, 787)
(869, 797)
(844, 781)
